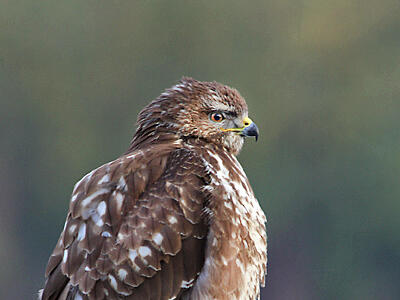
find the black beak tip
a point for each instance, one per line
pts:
(251, 130)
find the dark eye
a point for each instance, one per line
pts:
(216, 117)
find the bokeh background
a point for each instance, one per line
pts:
(321, 78)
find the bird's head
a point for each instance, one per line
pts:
(207, 110)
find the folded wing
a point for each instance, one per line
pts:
(135, 229)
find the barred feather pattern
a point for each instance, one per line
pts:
(173, 218)
(135, 229)
(236, 260)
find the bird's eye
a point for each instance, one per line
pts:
(217, 117)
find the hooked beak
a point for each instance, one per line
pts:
(249, 129)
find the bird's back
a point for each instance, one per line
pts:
(135, 229)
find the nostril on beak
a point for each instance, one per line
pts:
(247, 122)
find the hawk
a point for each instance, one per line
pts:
(173, 218)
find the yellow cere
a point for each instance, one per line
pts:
(246, 122)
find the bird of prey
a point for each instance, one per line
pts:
(173, 218)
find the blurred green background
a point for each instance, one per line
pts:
(322, 81)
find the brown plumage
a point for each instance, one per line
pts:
(174, 217)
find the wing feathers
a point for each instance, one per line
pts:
(55, 284)
(171, 241)
(135, 230)
(104, 264)
(97, 292)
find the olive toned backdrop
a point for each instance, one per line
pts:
(322, 81)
